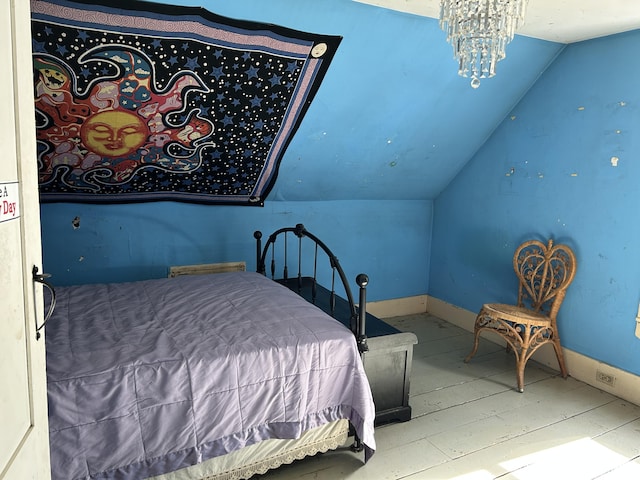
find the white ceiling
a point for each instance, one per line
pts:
(563, 21)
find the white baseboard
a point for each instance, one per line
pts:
(625, 385)
(398, 306)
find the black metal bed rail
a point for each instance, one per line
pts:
(356, 316)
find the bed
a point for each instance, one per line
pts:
(199, 376)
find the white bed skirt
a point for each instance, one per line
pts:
(266, 455)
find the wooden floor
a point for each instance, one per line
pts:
(469, 422)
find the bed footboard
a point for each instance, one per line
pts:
(386, 351)
(308, 286)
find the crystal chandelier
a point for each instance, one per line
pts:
(479, 31)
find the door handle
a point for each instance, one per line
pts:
(41, 278)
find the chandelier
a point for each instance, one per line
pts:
(479, 31)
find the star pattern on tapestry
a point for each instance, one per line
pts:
(127, 114)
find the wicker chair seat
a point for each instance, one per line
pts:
(516, 315)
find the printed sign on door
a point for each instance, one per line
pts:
(9, 201)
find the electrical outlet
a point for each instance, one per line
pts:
(605, 378)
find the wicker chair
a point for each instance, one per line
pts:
(544, 273)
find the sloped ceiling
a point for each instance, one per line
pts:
(392, 119)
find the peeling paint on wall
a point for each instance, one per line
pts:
(75, 223)
(614, 161)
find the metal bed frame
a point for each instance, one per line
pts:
(386, 352)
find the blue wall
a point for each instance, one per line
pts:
(548, 172)
(385, 123)
(349, 174)
(388, 240)
(379, 142)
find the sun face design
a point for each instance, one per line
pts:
(114, 134)
(120, 125)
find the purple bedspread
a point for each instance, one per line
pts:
(148, 377)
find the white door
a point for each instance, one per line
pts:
(24, 443)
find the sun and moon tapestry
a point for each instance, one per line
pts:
(138, 101)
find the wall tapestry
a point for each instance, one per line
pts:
(137, 101)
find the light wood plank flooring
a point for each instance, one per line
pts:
(469, 422)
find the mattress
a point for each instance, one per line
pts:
(149, 377)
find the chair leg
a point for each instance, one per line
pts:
(559, 356)
(476, 341)
(520, 365)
